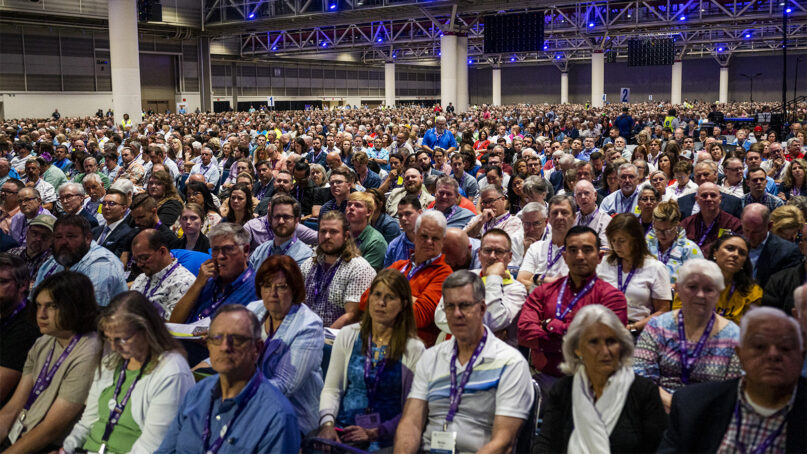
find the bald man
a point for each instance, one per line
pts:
(460, 251)
(711, 222)
(769, 253)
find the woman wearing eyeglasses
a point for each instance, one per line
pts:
(169, 205)
(668, 242)
(139, 386)
(293, 336)
(649, 198)
(371, 368)
(58, 370)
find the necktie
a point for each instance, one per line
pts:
(104, 234)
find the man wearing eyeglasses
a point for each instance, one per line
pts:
(73, 200)
(585, 196)
(504, 295)
(164, 280)
(224, 279)
(30, 207)
(284, 217)
(489, 395)
(33, 173)
(10, 202)
(495, 214)
(625, 200)
(733, 184)
(115, 234)
(237, 410)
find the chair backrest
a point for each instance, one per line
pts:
(532, 426)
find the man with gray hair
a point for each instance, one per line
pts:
(779, 291)
(486, 419)
(625, 200)
(543, 260)
(74, 201)
(439, 136)
(207, 168)
(224, 279)
(588, 214)
(763, 411)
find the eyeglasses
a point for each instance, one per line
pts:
(67, 197)
(493, 251)
(283, 217)
(669, 231)
(490, 201)
(29, 200)
(333, 182)
(237, 340)
(143, 257)
(121, 341)
(110, 203)
(463, 307)
(226, 250)
(735, 169)
(280, 287)
(648, 199)
(7, 192)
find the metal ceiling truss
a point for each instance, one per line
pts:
(700, 27)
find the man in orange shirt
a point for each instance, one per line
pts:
(426, 270)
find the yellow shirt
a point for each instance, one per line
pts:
(735, 308)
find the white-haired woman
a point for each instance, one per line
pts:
(602, 406)
(692, 344)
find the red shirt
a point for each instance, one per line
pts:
(695, 227)
(427, 289)
(545, 345)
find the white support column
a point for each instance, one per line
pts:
(497, 86)
(125, 61)
(448, 69)
(723, 97)
(564, 87)
(462, 74)
(597, 78)
(389, 84)
(675, 96)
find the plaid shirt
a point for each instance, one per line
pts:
(33, 263)
(755, 428)
(769, 200)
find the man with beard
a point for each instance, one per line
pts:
(37, 250)
(413, 187)
(74, 250)
(284, 218)
(260, 229)
(30, 207)
(424, 161)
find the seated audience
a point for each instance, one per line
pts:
(446, 199)
(542, 261)
(284, 212)
(293, 337)
(371, 368)
(629, 267)
(161, 187)
(164, 280)
(786, 222)
(224, 279)
(37, 251)
(116, 234)
(59, 367)
(74, 250)
(30, 207)
(718, 416)
(494, 214)
(711, 222)
(768, 253)
(403, 246)
(459, 251)
(692, 344)
(385, 224)
(483, 417)
(779, 289)
(668, 242)
(336, 275)
(143, 379)
(588, 214)
(600, 405)
(238, 207)
(238, 403)
(544, 320)
(72, 198)
(196, 192)
(371, 243)
(413, 187)
(191, 223)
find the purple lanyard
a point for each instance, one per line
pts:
(413, 270)
(269, 231)
(727, 310)
(686, 361)
(262, 192)
(665, 257)
(795, 191)
(626, 200)
(621, 287)
(162, 279)
(288, 246)
(455, 395)
(706, 232)
(551, 260)
(326, 283)
(488, 225)
(46, 376)
(765, 443)
(117, 411)
(452, 213)
(217, 301)
(368, 365)
(20, 307)
(214, 448)
(590, 217)
(562, 315)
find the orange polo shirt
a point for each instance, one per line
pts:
(427, 289)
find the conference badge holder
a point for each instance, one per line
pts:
(443, 442)
(368, 420)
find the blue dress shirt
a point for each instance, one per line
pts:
(299, 251)
(240, 291)
(267, 424)
(399, 249)
(445, 140)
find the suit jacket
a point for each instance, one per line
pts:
(119, 240)
(639, 428)
(729, 203)
(700, 416)
(777, 255)
(779, 289)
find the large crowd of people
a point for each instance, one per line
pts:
(406, 280)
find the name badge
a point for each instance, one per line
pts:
(16, 431)
(368, 421)
(443, 442)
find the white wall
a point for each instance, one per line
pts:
(193, 100)
(42, 104)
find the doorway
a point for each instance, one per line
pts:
(157, 106)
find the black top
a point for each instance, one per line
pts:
(779, 289)
(202, 244)
(16, 339)
(639, 429)
(169, 212)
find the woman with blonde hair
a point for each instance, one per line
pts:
(787, 221)
(794, 182)
(169, 205)
(137, 390)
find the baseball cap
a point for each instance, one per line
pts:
(44, 220)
